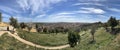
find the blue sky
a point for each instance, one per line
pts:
(60, 10)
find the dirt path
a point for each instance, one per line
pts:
(1, 33)
(32, 44)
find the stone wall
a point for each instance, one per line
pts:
(5, 28)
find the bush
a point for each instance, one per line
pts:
(73, 38)
(22, 25)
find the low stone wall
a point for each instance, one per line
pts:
(5, 28)
(10, 28)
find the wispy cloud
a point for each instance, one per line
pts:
(5, 16)
(91, 10)
(36, 5)
(92, 0)
(60, 10)
(8, 9)
(114, 9)
(66, 13)
(24, 19)
(62, 17)
(70, 17)
(40, 16)
(84, 10)
(88, 3)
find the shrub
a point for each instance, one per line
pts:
(73, 38)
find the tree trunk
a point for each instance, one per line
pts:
(93, 37)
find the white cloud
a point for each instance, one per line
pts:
(82, 11)
(62, 17)
(36, 5)
(71, 14)
(114, 9)
(85, 10)
(5, 16)
(23, 4)
(88, 3)
(92, 0)
(91, 10)
(65, 13)
(23, 19)
(76, 4)
(8, 9)
(39, 16)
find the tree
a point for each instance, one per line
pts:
(73, 38)
(99, 22)
(66, 30)
(45, 30)
(36, 26)
(92, 33)
(29, 28)
(105, 25)
(7, 28)
(14, 22)
(56, 30)
(0, 17)
(22, 25)
(112, 22)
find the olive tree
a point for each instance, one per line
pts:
(22, 25)
(92, 33)
(14, 22)
(73, 38)
(29, 28)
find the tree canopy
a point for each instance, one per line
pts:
(14, 22)
(112, 22)
(73, 38)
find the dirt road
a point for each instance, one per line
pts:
(32, 44)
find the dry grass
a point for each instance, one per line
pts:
(3, 24)
(32, 30)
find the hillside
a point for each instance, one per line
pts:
(2, 24)
(104, 41)
(9, 43)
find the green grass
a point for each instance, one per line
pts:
(9, 43)
(103, 41)
(44, 39)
